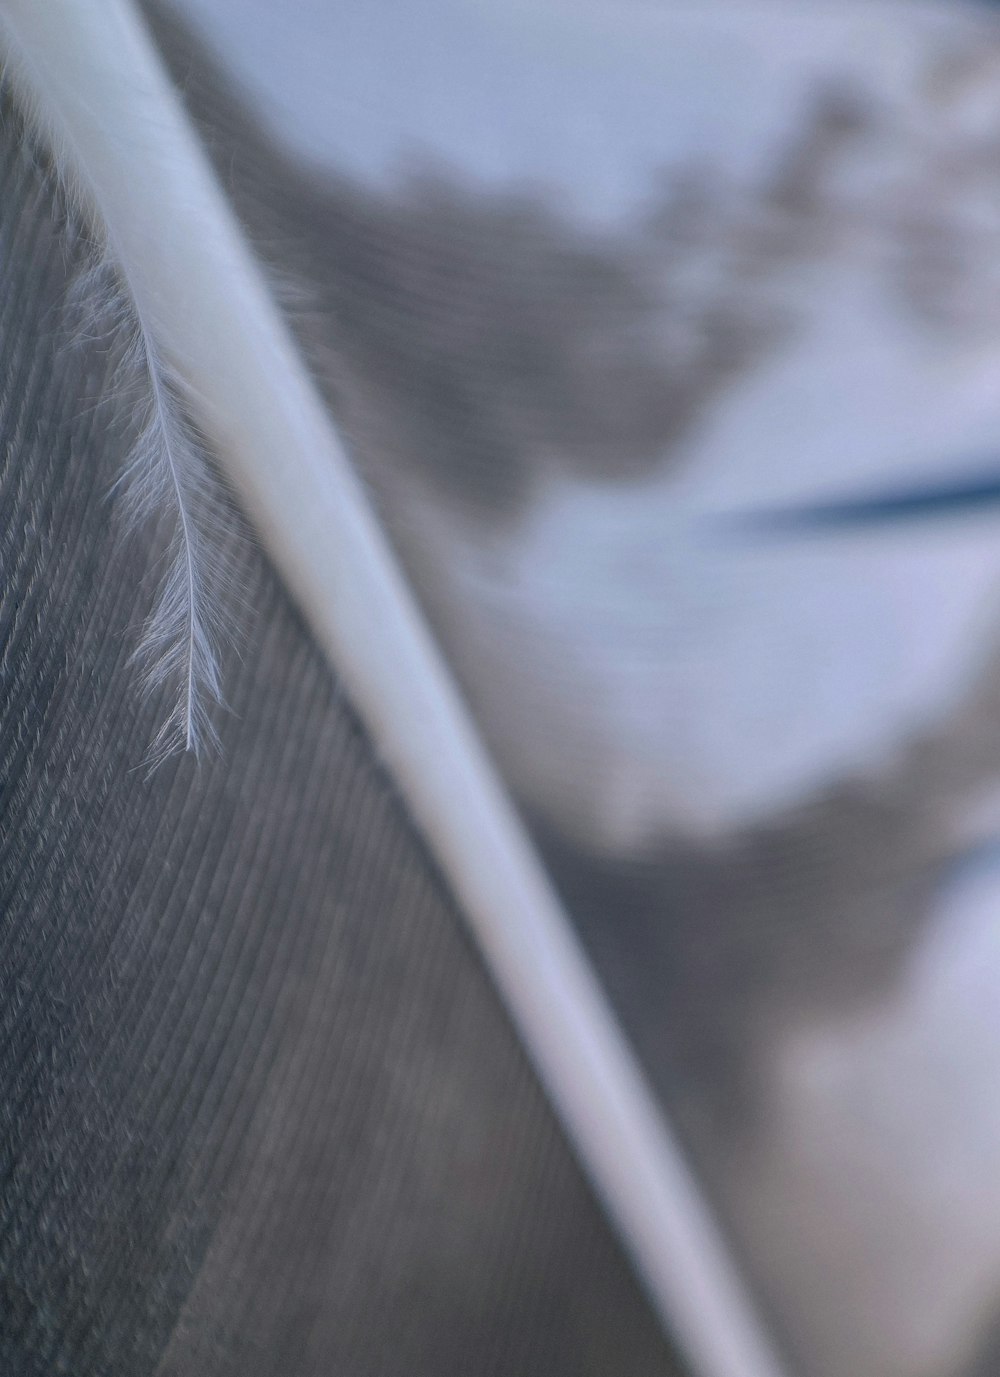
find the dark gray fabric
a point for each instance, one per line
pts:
(262, 1112)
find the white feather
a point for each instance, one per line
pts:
(165, 477)
(100, 93)
(165, 481)
(165, 471)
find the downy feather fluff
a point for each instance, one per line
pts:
(103, 102)
(166, 488)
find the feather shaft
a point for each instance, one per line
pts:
(262, 412)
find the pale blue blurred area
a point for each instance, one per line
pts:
(579, 98)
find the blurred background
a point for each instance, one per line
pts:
(667, 338)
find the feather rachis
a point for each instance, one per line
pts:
(175, 230)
